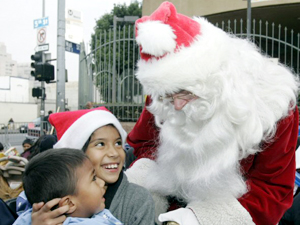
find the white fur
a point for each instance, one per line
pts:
(242, 95)
(221, 211)
(156, 38)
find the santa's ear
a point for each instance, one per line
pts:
(68, 200)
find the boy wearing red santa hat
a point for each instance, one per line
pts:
(221, 124)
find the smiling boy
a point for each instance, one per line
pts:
(68, 177)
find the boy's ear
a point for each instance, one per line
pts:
(68, 200)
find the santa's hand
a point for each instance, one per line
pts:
(181, 216)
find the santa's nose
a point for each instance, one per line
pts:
(179, 103)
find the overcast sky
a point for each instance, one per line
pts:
(19, 36)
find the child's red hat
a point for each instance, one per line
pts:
(74, 128)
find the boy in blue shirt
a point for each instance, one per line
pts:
(69, 175)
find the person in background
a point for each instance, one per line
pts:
(67, 177)
(46, 125)
(89, 105)
(27, 144)
(43, 143)
(101, 136)
(10, 123)
(1, 147)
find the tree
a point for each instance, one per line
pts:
(126, 52)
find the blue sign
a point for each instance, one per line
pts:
(72, 47)
(43, 22)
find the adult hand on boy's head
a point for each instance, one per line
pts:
(42, 213)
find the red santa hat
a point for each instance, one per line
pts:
(174, 49)
(164, 31)
(75, 127)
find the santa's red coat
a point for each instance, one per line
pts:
(270, 174)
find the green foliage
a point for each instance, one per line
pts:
(126, 51)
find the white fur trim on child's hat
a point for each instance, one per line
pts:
(76, 135)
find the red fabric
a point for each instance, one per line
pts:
(63, 120)
(184, 27)
(270, 174)
(144, 136)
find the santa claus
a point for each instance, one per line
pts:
(226, 124)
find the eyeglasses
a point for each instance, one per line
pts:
(183, 95)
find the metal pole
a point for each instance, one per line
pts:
(114, 62)
(248, 19)
(43, 88)
(60, 82)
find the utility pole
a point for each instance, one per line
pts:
(60, 82)
(43, 88)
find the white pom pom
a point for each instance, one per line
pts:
(156, 38)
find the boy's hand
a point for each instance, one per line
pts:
(42, 214)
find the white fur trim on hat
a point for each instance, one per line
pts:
(156, 38)
(79, 132)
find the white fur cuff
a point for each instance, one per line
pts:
(221, 212)
(139, 171)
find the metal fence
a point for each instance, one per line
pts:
(110, 66)
(273, 40)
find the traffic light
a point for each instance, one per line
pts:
(43, 71)
(48, 72)
(38, 92)
(37, 64)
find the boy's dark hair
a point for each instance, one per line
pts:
(52, 174)
(1, 146)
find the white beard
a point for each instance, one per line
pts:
(196, 158)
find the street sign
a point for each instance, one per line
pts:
(74, 14)
(43, 22)
(74, 27)
(72, 47)
(41, 36)
(41, 48)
